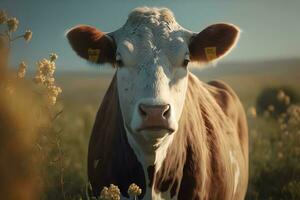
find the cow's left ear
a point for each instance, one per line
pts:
(213, 42)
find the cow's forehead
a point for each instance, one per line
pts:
(151, 30)
(153, 18)
(148, 25)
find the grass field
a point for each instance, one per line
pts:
(83, 93)
(274, 151)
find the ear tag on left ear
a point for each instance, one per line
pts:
(93, 54)
(211, 53)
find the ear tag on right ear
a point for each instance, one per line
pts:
(93, 54)
(211, 53)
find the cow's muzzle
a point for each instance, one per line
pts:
(155, 117)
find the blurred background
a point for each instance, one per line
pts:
(263, 69)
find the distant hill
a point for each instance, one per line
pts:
(273, 67)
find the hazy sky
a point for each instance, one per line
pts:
(271, 28)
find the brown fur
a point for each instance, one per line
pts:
(116, 161)
(84, 38)
(197, 165)
(220, 36)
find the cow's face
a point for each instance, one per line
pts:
(152, 60)
(151, 53)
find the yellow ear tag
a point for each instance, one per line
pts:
(93, 54)
(211, 53)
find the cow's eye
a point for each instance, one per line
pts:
(119, 61)
(186, 61)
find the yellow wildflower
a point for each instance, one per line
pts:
(46, 67)
(28, 35)
(39, 79)
(45, 75)
(12, 24)
(53, 57)
(49, 82)
(3, 17)
(22, 65)
(59, 89)
(21, 73)
(111, 193)
(280, 95)
(52, 100)
(22, 70)
(134, 190)
(105, 194)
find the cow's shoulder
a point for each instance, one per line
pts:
(225, 97)
(233, 108)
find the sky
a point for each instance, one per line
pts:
(270, 28)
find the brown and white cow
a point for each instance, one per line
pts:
(158, 125)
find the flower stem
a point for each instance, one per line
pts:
(15, 38)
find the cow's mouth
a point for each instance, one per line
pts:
(156, 129)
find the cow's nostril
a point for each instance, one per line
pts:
(166, 112)
(142, 110)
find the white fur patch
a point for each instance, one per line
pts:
(161, 151)
(235, 163)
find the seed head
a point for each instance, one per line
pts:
(134, 190)
(28, 35)
(12, 24)
(22, 70)
(52, 100)
(38, 79)
(21, 73)
(53, 57)
(3, 17)
(22, 65)
(111, 193)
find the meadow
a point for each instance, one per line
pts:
(273, 174)
(45, 124)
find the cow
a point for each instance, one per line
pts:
(159, 126)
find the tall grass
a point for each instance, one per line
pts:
(275, 152)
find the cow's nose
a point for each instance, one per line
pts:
(155, 117)
(155, 112)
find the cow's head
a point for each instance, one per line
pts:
(151, 53)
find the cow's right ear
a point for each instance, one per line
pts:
(92, 44)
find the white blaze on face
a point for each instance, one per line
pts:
(151, 55)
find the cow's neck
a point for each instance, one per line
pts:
(150, 153)
(152, 157)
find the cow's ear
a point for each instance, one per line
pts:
(213, 42)
(92, 44)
